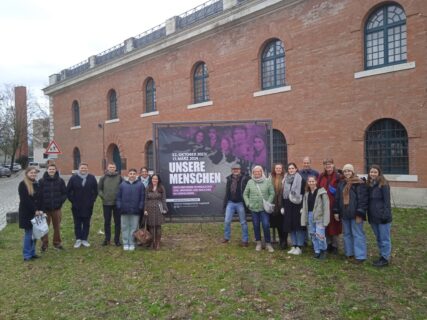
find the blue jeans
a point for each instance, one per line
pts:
(231, 208)
(354, 239)
(317, 234)
(129, 224)
(297, 238)
(264, 218)
(382, 233)
(29, 245)
(81, 227)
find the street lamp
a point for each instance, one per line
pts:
(101, 126)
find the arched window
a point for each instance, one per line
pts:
(113, 155)
(76, 114)
(386, 144)
(112, 105)
(76, 158)
(150, 96)
(149, 151)
(201, 90)
(385, 37)
(273, 65)
(280, 148)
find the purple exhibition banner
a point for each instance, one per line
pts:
(194, 160)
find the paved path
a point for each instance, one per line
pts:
(9, 196)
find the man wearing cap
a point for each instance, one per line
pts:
(233, 202)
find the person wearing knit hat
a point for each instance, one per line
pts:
(351, 204)
(348, 167)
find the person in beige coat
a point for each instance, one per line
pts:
(315, 213)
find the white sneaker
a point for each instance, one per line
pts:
(269, 247)
(126, 247)
(85, 243)
(297, 251)
(292, 250)
(78, 243)
(258, 246)
(131, 248)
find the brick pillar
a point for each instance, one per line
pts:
(21, 118)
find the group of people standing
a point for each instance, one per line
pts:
(128, 202)
(309, 205)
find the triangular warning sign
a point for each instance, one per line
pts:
(53, 148)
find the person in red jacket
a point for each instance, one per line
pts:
(328, 180)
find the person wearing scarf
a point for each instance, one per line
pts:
(82, 190)
(292, 204)
(257, 189)
(351, 204)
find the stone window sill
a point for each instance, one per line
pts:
(149, 114)
(388, 69)
(200, 105)
(272, 91)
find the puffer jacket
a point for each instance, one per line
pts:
(130, 198)
(52, 192)
(358, 201)
(379, 209)
(252, 195)
(320, 210)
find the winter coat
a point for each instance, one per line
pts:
(155, 202)
(252, 196)
(379, 209)
(329, 183)
(241, 185)
(27, 205)
(52, 192)
(82, 198)
(358, 204)
(321, 208)
(130, 198)
(108, 187)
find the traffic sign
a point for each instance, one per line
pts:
(53, 148)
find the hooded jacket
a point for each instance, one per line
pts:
(321, 208)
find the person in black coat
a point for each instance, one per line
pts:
(233, 202)
(51, 197)
(379, 213)
(351, 203)
(82, 190)
(27, 190)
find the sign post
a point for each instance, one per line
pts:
(53, 149)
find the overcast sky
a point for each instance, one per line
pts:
(43, 37)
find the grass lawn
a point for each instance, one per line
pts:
(194, 276)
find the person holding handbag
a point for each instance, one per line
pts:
(155, 208)
(27, 190)
(258, 190)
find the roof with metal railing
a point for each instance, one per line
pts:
(185, 20)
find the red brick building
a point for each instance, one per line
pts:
(344, 79)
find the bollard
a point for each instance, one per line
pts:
(12, 217)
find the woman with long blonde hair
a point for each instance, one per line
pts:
(27, 190)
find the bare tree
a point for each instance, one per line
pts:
(12, 122)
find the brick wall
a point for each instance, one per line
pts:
(325, 114)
